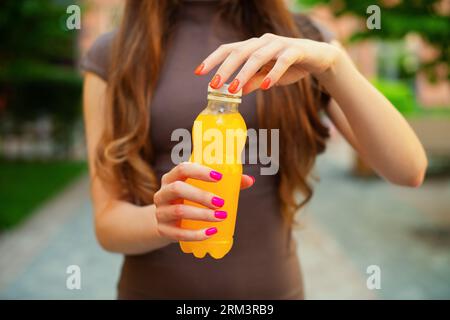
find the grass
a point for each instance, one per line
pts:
(24, 185)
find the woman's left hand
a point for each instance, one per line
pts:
(267, 61)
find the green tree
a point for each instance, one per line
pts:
(37, 74)
(423, 17)
(34, 30)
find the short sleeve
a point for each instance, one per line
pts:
(96, 59)
(326, 33)
(313, 29)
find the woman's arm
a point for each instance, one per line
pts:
(119, 225)
(365, 117)
(373, 125)
(126, 228)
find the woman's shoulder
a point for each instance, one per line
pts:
(312, 29)
(96, 59)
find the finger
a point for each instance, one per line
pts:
(216, 57)
(284, 61)
(191, 170)
(179, 234)
(235, 59)
(255, 62)
(183, 211)
(182, 190)
(254, 83)
(247, 181)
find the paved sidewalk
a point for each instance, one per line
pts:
(404, 231)
(34, 258)
(349, 225)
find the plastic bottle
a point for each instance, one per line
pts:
(219, 134)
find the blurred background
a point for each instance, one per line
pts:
(355, 220)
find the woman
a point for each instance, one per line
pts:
(140, 86)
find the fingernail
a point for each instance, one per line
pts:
(253, 178)
(233, 86)
(199, 69)
(215, 82)
(218, 202)
(215, 175)
(265, 84)
(211, 231)
(220, 214)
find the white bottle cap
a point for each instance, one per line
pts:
(223, 94)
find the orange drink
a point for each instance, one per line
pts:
(219, 134)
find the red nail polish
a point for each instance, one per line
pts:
(233, 86)
(220, 214)
(215, 175)
(253, 178)
(211, 231)
(265, 84)
(199, 69)
(215, 82)
(218, 202)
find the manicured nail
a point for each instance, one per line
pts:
(199, 69)
(215, 82)
(233, 86)
(253, 178)
(211, 231)
(218, 202)
(220, 214)
(265, 84)
(215, 175)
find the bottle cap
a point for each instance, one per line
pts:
(224, 90)
(223, 94)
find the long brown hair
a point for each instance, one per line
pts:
(124, 153)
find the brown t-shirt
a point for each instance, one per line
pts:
(263, 263)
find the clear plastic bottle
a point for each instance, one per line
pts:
(219, 134)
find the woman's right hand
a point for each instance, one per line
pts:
(169, 202)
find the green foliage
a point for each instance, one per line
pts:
(35, 30)
(398, 93)
(37, 77)
(401, 95)
(422, 17)
(25, 185)
(35, 89)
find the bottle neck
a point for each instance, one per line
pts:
(217, 106)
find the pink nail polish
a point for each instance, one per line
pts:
(253, 178)
(211, 231)
(215, 175)
(218, 202)
(220, 214)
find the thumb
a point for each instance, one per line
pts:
(247, 181)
